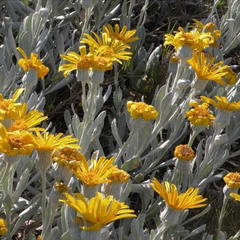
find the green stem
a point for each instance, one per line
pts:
(222, 214)
(43, 173)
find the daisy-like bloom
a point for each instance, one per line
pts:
(189, 199)
(3, 225)
(8, 107)
(27, 121)
(222, 103)
(141, 109)
(184, 152)
(68, 157)
(105, 47)
(98, 211)
(123, 36)
(205, 70)
(17, 142)
(80, 62)
(225, 109)
(193, 39)
(95, 174)
(209, 27)
(47, 143)
(32, 63)
(232, 180)
(200, 114)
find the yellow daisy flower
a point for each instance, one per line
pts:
(205, 70)
(8, 107)
(123, 36)
(184, 152)
(27, 121)
(3, 225)
(232, 180)
(17, 142)
(200, 114)
(76, 61)
(141, 109)
(186, 200)
(210, 27)
(95, 174)
(68, 157)
(222, 103)
(193, 39)
(98, 211)
(105, 47)
(49, 142)
(33, 63)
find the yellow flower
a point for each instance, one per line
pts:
(49, 142)
(231, 76)
(33, 63)
(105, 47)
(232, 180)
(186, 200)
(28, 121)
(119, 175)
(207, 27)
(3, 225)
(141, 109)
(8, 107)
(184, 152)
(222, 103)
(200, 114)
(194, 39)
(95, 174)
(123, 36)
(17, 142)
(204, 69)
(98, 211)
(235, 196)
(76, 61)
(68, 157)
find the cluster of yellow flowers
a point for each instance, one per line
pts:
(103, 51)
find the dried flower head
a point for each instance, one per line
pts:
(141, 109)
(184, 152)
(200, 114)
(232, 180)
(68, 157)
(3, 225)
(32, 63)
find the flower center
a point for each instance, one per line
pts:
(83, 63)
(235, 177)
(69, 154)
(19, 124)
(15, 140)
(4, 104)
(201, 111)
(90, 178)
